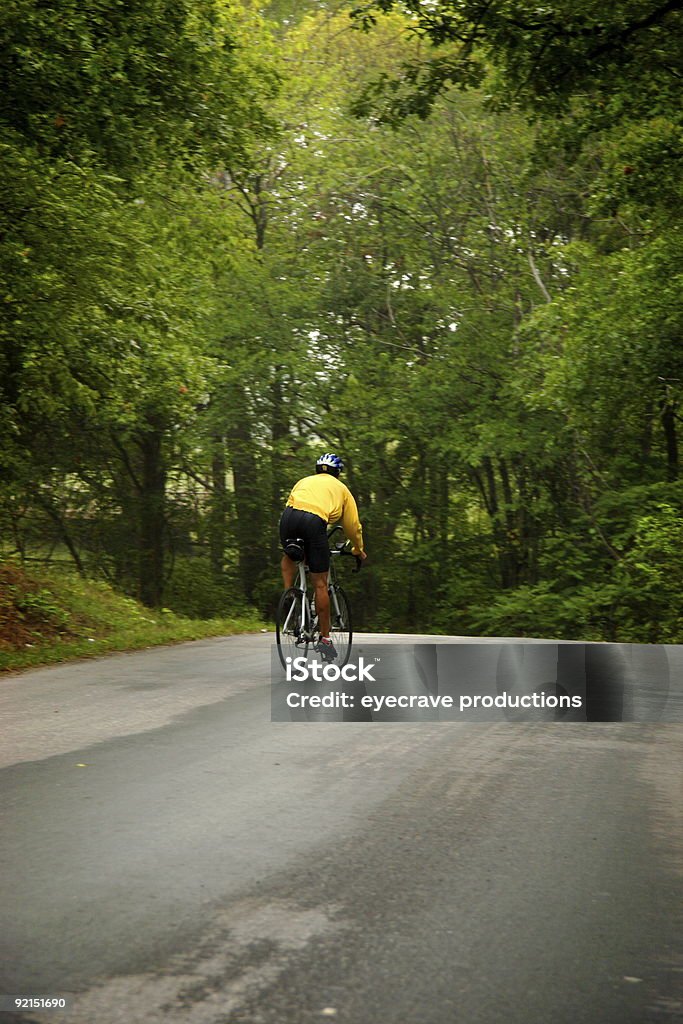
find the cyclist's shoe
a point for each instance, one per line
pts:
(326, 649)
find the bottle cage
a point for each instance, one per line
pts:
(294, 547)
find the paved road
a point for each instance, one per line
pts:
(169, 854)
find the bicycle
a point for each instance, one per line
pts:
(297, 620)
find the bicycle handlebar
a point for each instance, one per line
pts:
(359, 560)
(339, 549)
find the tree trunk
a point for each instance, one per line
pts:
(63, 532)
(668, 414)
(218, 513)
(444, 502)
(252, 531)
(279, 469)
(152, 518)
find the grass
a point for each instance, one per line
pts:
(55, 616)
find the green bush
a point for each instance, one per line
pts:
(194, 591)
(633, 600)
(652, 573)
(41, 605)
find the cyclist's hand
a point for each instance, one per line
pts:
(363, 556)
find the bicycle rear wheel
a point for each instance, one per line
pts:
(291, 625)
(341, 631)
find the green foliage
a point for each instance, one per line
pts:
(193, 590)
(28, 611)
(126, 84)
(542, 55)
(115, 120)
(212, 270)
(651, 575)
(61, 616)
(633, 599)
(41, 604)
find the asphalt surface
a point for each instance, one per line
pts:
(169, 854)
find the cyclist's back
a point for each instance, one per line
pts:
(326, 496)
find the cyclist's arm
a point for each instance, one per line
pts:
(351, 525)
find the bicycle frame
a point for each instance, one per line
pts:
(297, 618)
(306, 606)
(308, 616)
(301, 606)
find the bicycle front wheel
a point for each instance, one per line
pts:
(341, 631)
(292, 625)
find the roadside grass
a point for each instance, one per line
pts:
(53, 616)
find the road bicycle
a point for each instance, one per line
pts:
(297, 627)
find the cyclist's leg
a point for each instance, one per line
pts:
(289, 568)
(322, 601)
(288, 528)
(318, 554)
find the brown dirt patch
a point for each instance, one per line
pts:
(29, 613)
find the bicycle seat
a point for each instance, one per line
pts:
(294, 548)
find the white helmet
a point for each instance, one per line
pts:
(331, 461)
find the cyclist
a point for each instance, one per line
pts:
(314, 503)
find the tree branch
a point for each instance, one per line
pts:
(537, 277)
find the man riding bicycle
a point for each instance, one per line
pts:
(315, 502)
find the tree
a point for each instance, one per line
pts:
(112, 126)
(543, 56)
(127, 85)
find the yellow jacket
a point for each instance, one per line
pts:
(327, 497)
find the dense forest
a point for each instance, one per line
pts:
(439, 238)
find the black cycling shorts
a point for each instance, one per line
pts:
(294, 522)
